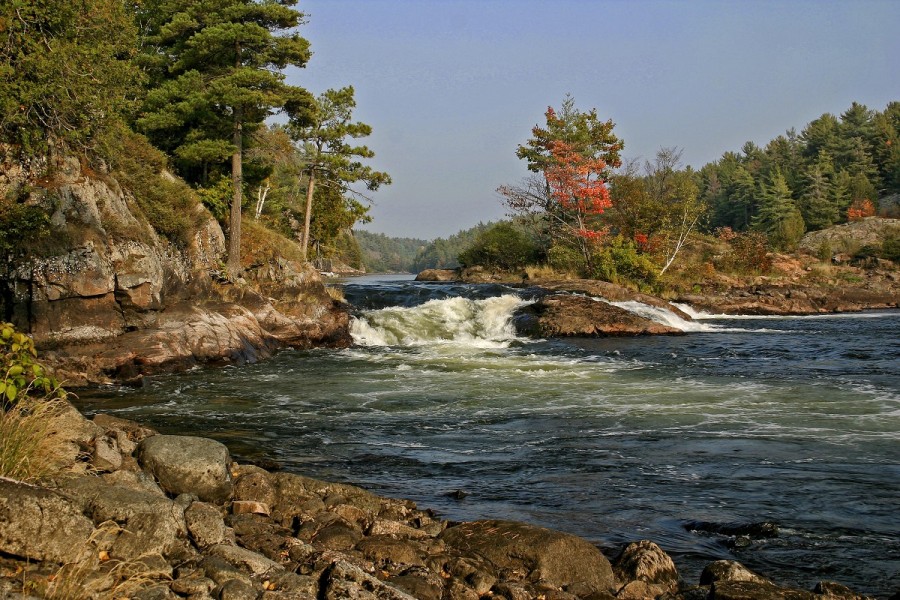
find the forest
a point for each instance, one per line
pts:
(140, 90)
(200, 91)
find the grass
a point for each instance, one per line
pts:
(26, 448)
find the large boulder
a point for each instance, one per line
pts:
(545, 556)
(562, 315)
(40, 524)
(187, 464)
(438, 275)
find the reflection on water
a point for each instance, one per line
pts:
(794, 421)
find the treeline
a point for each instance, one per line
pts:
(443, 253)
(836, 168)
(384, 254)
(585, 211)
(152, 87)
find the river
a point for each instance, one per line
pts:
(791, 421)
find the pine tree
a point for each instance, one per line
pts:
(778, 216)
(817, 204)
(216, 73)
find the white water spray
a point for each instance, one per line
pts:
(458, 321)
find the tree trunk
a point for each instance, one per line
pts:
(233, 266)
(307, 219)
(234, 226)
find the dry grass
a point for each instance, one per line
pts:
(95, 575)
(260, 244)
(546, 272)
(26, 448)
(336, 293)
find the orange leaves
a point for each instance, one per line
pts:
(576, 183)
(860, 209)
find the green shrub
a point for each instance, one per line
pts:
(619, 261)
(501, 246)
(168, 203)
(890, 247)
(29, 398)
(566, 259)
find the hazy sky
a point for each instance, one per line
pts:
(451, 87)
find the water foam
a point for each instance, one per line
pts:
(458, 321)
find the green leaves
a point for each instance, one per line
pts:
(20, 374)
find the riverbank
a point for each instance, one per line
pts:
(141, 515)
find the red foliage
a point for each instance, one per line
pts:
(860, 209)
(642, 241)
(576, 183)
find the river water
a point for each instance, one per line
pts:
(791, 421)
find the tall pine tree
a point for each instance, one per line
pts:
(216, 72)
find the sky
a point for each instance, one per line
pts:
(452, 87)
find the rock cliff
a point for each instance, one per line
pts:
(107, 298)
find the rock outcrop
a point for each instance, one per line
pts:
(140, 531)
(565, 315)
(108, 299)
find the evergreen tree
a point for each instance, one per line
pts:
(328, 158)
(65, 70)
(778, 216)
(216, 73)
(817, 204)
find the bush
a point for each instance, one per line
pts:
(890, 247)
(748, 253)
(168, 203)
(29, 397)
(566, 259)
(619, 261)
(502, 246)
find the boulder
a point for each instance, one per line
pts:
(563, 315)
(205, 525)
(646, 562)
(552, 557)
(438, 275)
(39, 524)
(187, 464)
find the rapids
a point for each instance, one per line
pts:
(794, 421)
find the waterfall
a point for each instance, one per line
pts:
(663, 316)
(459, 321)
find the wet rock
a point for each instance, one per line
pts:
(565, 315)
(188, 464)
(546, 556)
(760, 530)
(728, 570)
(832, 589)
(40, 524)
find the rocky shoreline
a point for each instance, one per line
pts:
(134, 514)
